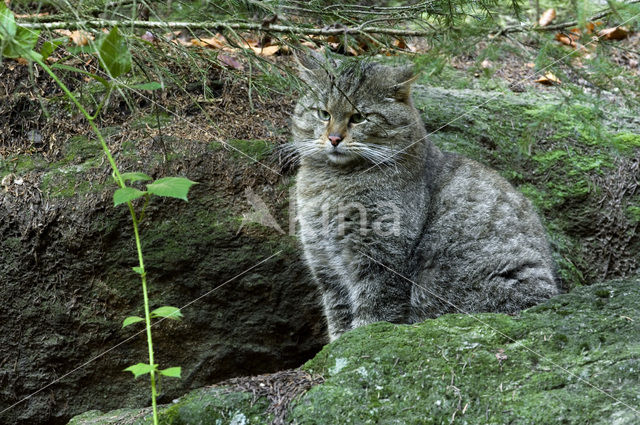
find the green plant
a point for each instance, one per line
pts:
(115, 60)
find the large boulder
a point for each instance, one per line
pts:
(572, 360)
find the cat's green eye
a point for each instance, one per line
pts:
(323, 115)
(357, 118)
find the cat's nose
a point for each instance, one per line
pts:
(335, 139)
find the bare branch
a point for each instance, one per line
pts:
(220, 26)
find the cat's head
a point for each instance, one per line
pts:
(354, 111)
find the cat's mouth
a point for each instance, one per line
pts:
(339, 156)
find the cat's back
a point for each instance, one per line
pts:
(486, 246)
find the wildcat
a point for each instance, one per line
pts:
(463, 239)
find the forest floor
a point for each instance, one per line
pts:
(232, 108)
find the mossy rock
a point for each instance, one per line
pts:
(574, 158)
(572, 360)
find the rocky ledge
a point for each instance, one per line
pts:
(572, 360)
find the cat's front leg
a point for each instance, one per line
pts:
(338, 314)
(380, 295)
(335, 300)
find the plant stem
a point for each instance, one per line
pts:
(136, 232)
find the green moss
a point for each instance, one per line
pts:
(626, 142)
(70, 180)
(79, 148)
(151, 120)
(215, 406)
(573, 359)
(20, 164)
(244, 149)
(544, 367)
(633, 212)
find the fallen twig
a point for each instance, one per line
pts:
(220, 26)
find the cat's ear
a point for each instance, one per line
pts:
(404, 76)
(311, 66)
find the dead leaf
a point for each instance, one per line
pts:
(486, 64)
(148, 36)
(211, 42)
(172, 34)
(569, 39)
(31, 15)
(400, 43)
(546, 18)
(548, 79)
(267, 50)
(63, 32)
(80, 37)
(230, 62)
(615, 33)
(501, 356)
(22, 61)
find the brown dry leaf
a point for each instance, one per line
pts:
(530, 65)
(230, 62)
(400, 43)
(172, 34)
(266, 51)
(615, 33)
(211, 42)
(569, 39)
(501, 356)
(148, 36)
(486, 64)
(548, 79)
(309, 44)
(22, 61)
(31, 15)
(250, 42)
(351, 51)
(181, 41)
(63, 32)
(80, 37)
(546, 18)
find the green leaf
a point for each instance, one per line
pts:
(174, 187)
(87, 48)
(140, 369)
(114, 54)
(131, 320)
(168, 312)
(152, 85)
(137, 270)
(49, 47)
(135, 176)
(81, 71)
(126, 194)
(173, 372)
(18, 41)
(8, 25)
